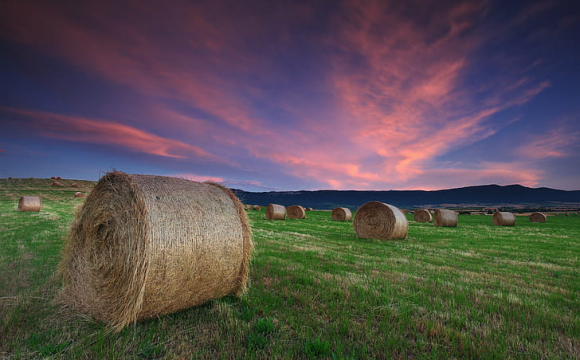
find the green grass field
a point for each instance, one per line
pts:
(316, 291)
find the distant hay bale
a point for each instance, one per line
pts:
(445, 218)
(538, 217)
(58, 178)
(53, 178)
(55, 183)
(341, 214)
(142, 246)
(29, 203)
(309, 209)
(377, 220)
(79, 194)
(275, 212)
(256, 207)
(10, 178)
(247, 207)
(296, 212)
(501, 218)
(74, 185)
(423, 216)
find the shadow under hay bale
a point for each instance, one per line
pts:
(142, 246)
(341, 214)
(423, 216)
(502, 218)
(29, 203)
(538, 217)
(296, 212)
(275, 212)
(377, 220)
(445, 218)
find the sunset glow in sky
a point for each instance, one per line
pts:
(290, 95)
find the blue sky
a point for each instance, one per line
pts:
(293, 95)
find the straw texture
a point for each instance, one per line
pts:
(296, 212)
(538, 217)
(423, 216)
(275, 212)
(377, 220)
(29, 203)
(142, 246)
(341, 214)
(445, 218)
(502, 218)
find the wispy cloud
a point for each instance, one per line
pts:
(556, 143)
(104, 132)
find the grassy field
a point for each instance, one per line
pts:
(316, 291)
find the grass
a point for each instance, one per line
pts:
(316, 292)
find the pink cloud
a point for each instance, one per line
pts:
(556, 143)
(199, 178)
(104, 132)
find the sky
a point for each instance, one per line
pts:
(293, 95)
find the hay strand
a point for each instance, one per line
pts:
(445, 218)
(538, 217)
(423, 216)
(29, 203)
(143, 246)
(377, 220)
(296, 212)
(341, 214)
(275, 212)
(502, 218)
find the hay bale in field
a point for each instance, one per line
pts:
(445, 218)
(58, 178)
(53, 178)
(256, 207)
(502, 218)
(10, 178)
(296, 212)
(79, 194)
(538, 217)
(309, 209)
(247, 207)
(275, 212)
(423, 216)
(341, 214)
(377, 220)
(74, 185)
(55, 183)
(142, 246)
(29, 203)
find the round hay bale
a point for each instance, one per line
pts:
(142, 246)
(55, 183)
(79, 194)
(10, 178)
(247, 207)
(341, 214)
(58, 178)
(502, 218)
(256, 207)
(309, 209)
(377, 220)
(296, 212)
(29, 203)
(538, 217)
(445, 218)
(275, 212)
(52, 178)
(74, 185)
(423, 216)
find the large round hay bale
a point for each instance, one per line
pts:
(29, 203)
(377, 220)
(423, 216)
(341, 214)
(502, 218)
(256, 207)
(142, 246)
(79, 194)
(275, 212)
(538, 217)
(296, 212)
(445, 218)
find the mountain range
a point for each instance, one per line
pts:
(472, 196)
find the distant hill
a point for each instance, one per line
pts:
(487, 195)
